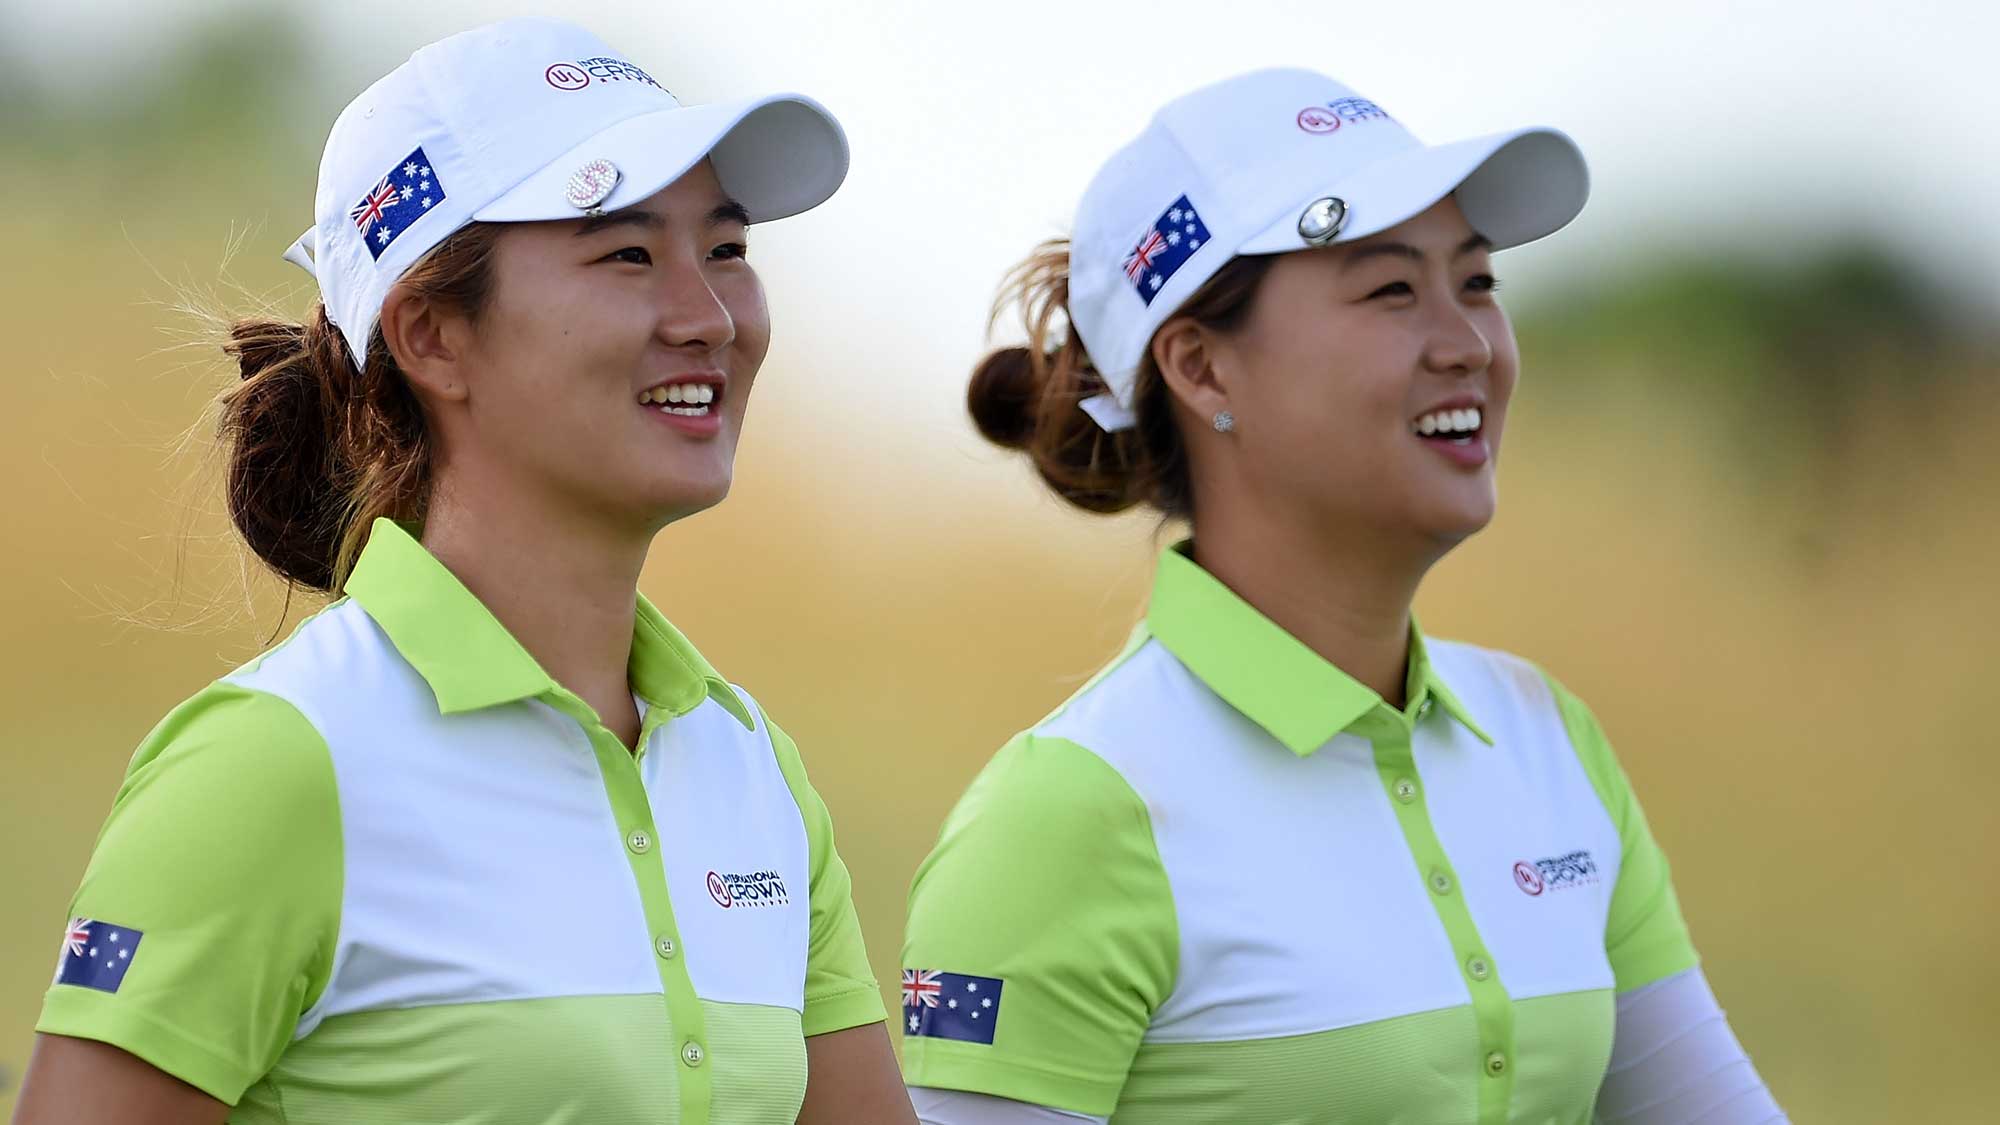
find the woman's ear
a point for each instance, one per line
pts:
(427, 343)
(1192, 361)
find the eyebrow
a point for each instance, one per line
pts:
(728, 211)
(1405, 250)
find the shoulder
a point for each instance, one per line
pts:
(1490, 674)
(1143, 686)
(234, 743)
(1050, 792)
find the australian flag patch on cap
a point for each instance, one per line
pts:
(1164, 248)
(407, 193)
(97, 954)
(941, 1005)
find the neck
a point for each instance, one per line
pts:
(1345, 596)
(564, 586)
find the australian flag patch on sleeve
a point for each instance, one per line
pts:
(97, 954)
(940, 1005)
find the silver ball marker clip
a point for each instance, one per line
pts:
(1323, 220)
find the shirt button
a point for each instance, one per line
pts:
(665, 947)
(1496, 1064)
(640, 841)
(691, 1053)
(1440, 882)
(1406, 790)
(1477, 967)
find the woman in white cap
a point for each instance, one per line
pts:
(487, 840)
(1287, 859)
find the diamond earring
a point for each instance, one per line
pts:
(1224, 421)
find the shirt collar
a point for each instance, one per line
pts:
(1266, 673)
(471, 661)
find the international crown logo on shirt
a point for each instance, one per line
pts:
(96, 954)
(407, 193)
(1164, 248)
(940, 1005)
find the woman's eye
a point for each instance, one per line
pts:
(1393, 289)
(1483, 283)
(637, 255)
(732, 250)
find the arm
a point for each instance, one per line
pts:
(851, 1075)
(1673, 1058)
(1674, 1061)
(205, 923)
(79, 1082)
(1042, 935)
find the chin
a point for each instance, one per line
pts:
(1453, 524)
(677, 500)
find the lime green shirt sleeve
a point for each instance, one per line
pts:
(1047, 877)
(1644, 936)
(840, 988)
(222, 852)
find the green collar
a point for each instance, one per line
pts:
(1266, 673)
(472, 662)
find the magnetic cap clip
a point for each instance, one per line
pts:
(1322, 220)
(591, 185)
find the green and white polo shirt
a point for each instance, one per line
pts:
(1227, 883)
(391, 871)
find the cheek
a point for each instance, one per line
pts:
(1506, 367)
(743, 298)
(1339, 377)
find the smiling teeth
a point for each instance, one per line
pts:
(696, 396)
(1450, 423)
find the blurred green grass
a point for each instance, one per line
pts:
(1747, 513)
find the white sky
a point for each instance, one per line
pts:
(975, 126)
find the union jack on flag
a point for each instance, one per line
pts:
(945, 1005)
(96, 953)
(920, 986)
(406, 194)
(1164, 248)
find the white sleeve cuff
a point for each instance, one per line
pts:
(963, 1107)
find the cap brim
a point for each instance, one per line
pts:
(1514, 187)
(776, 155)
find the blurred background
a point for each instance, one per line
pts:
(1747, 508)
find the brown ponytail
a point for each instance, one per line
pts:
(316, 449)
(1029, 398)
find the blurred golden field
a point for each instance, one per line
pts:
(1780, 610)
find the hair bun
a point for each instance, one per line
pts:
(1004, 397)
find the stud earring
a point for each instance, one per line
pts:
(1224, 421)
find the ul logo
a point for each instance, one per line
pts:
(1318, 119)
(563, 76)
(1528, 879)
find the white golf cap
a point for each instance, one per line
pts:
(1269, 162)
(524, 121)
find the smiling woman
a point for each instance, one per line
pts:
(1337, 870)
(455, 850)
